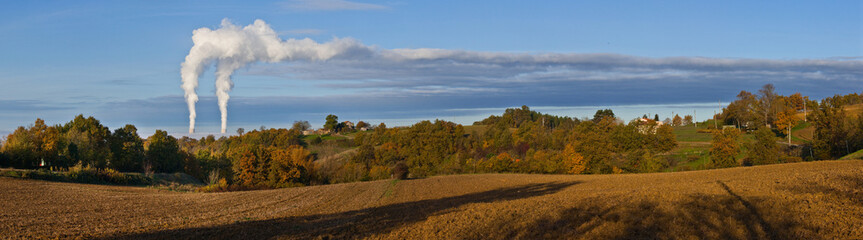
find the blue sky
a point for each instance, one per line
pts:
(120, 60)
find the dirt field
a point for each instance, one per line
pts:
(790, 201)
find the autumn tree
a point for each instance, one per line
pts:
(724, 148)
(289, 166)
(796, 101)
(677, 121)
(742, 112)
(361, 125)
(687, 120)
(767, 104)
(29, 147)
(573, 162)
(249, 165)
(785, 120)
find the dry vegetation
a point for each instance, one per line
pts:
(787, 201)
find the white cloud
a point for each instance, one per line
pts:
(329, 5)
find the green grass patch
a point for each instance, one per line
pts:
(390, 188)
(800, 126)
(324, 137)
(479, 129)
(688, 156)
(81, 175)
(854, 155)
(691, 134)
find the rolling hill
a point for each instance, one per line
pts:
(787, 201)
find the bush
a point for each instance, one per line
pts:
(316, 140)
(400, 170)
(218, 186)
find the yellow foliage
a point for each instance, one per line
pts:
(573, 162)
(379, 172)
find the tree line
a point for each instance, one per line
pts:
(769, 116)
(520, 141)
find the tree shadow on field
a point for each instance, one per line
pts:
(845, 188)
(352, 224)
(697, 216)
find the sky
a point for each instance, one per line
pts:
(120, 61)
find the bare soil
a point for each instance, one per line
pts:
(811, 200)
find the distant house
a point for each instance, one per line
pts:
(308, 132)
(647, 125)
(648, 120)
(349, 124)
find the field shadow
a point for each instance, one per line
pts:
(697, 216)
(845, 188)
(351, 224)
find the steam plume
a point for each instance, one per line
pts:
(232, 47)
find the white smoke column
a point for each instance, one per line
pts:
(232, 47)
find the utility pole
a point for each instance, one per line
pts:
(695, 118)
(715, 124)
(789, 134)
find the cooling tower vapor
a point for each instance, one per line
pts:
(232, 47)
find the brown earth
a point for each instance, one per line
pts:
(790, 201)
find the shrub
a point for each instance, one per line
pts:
(400, 170)
(316, 140)
(218, 186)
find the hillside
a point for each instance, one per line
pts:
(804, 132)
(802, 200)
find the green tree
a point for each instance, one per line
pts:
(604, 113)
(764, 150)
(127, 149)
(162, 153)
(831, 138)
(301, 126)
(90, 140)
(724, 148)
(332, 123)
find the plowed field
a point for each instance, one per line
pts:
(789, 201)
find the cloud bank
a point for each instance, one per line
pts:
(494, 79)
